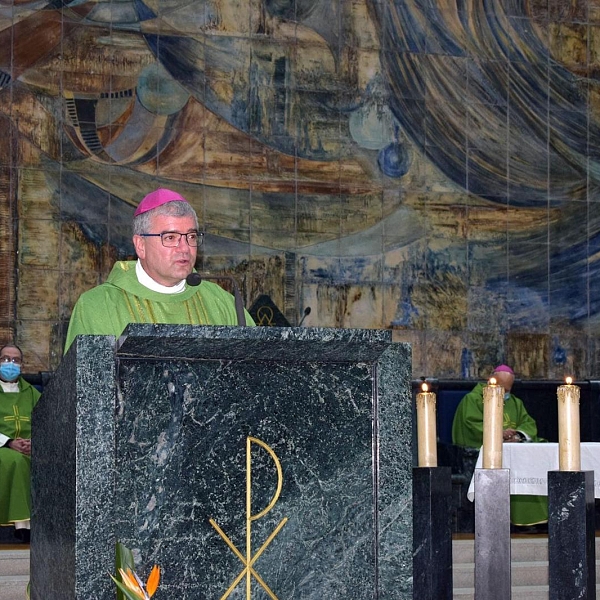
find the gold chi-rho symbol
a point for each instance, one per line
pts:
(248, 561)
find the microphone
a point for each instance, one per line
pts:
(306, 313)
(195, 279)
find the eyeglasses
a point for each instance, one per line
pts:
(171, 239)
(12, 359)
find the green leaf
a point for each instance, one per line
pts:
(123, 560)
(123, 591)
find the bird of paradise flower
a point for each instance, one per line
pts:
(133, 587)
(129, 584)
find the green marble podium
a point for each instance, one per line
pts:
(246, 462)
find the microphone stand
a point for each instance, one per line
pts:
(306, 313)
(195, 279)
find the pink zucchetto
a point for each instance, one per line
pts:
(158, 198)
(503, 369)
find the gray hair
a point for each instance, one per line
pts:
(142, 223)
(12, 346)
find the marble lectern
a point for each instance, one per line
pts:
(248, 462)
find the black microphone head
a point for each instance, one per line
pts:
(306, 313)
(193, 279)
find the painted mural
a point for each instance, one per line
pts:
(429, 167)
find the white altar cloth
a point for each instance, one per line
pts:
(529, 465)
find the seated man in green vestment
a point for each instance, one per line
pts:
(467, 430)
(153, 289)
(17, 399)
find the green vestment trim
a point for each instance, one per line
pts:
(108, 308)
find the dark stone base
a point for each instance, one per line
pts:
(571, 535)
(432, 537)
(8, 537)
(492, 534)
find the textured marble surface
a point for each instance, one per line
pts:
(571, 535)
(432, 532)
(492, 534)
(73, 493)
(162, 444)
(145, 340)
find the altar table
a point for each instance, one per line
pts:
(529, 465)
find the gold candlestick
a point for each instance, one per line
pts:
(569, 450)
(493, 418)
(426, 429)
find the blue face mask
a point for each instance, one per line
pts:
(9, 371)
(506, 396)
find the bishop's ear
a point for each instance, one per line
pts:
(139, 243)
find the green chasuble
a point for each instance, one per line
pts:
(15, 422)
(108, 308)
(467, 430)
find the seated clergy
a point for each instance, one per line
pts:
(467, 430)
(17, 399)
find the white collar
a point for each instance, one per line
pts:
(10, 386)
(148, 282)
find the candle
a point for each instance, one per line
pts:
(426, 428)
(569, 457)
(493, 418)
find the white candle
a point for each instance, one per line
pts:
(493, 418)
(426, 429)
(569, 456)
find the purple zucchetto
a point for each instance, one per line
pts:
(503, 369)
(158, 198)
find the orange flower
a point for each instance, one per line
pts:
(134, 583)
(153, 579)
(130, 580)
